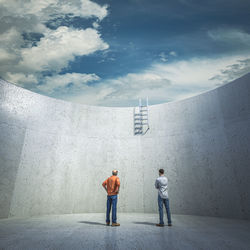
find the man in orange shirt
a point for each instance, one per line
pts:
(112, 186)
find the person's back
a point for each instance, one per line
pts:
(162, 186)
(113, 184)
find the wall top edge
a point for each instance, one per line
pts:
(189, 99)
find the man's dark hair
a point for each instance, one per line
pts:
(161, 171)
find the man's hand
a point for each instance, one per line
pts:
(105, 188)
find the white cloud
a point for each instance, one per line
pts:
(55, 84)
(165, 82)
(163, 57)
(9, 41)
(60, 82)
(47, 8)
(24, 80)
(90, 8)
(9, 36)
(96, 25)
(21, 60)
(230, 36)
(60, 46)
(6, 56)
(172, 53)
(233, 71)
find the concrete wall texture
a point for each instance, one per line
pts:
(54, 155)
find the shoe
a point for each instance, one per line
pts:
(115, 225)
(160, 225)
(107, 223)
(170, 225)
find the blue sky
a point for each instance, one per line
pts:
(114, 52)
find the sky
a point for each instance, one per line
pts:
(113, 52)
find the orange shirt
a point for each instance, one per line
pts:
(113, 184)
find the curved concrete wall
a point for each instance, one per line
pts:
(54, 155)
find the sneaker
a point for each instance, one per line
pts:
(160, 225)
(107, 223)
(115, 224)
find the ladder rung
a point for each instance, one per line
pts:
(141, 124)
(140, 120)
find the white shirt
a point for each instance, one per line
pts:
(161, 184)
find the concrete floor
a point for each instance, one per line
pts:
(137, 231)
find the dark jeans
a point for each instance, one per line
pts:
(160, 205)
(111, 201)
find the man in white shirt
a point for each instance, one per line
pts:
(161, 184)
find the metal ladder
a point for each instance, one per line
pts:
(141, 124)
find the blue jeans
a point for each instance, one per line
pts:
(160, 205)
(111, 202)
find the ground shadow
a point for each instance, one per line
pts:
(144, 223)
(92, 223)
